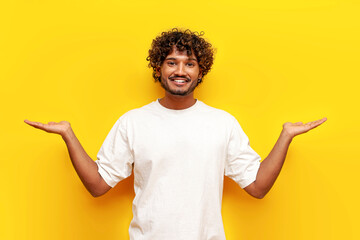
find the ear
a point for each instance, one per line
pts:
(157, 71)
(200, 75)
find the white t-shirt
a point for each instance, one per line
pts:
(179, 159)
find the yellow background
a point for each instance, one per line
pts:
(84, 61)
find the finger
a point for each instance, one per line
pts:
(36, 124)
(31, 123)
(320, 121)
(316, 123)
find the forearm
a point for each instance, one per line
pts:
(84, 166)
(271, 166)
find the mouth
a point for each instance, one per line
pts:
(179, 81)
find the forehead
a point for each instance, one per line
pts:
(175, 53)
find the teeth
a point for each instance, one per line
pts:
(179, 81)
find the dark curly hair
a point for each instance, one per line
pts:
(183, 40)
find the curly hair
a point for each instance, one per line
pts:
(183, 40)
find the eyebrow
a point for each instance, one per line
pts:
(172, 58)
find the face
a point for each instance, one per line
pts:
(179, 73)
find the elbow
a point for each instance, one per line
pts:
(255, 191)
(97, 189)
(96, 194)
(259, 195)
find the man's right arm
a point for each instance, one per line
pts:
(84, 166)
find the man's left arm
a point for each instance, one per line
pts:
(270, 167)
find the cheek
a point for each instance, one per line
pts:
(195, 73)
(165, 72)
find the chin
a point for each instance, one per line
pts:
(176, 93)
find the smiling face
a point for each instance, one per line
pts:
(179, 73)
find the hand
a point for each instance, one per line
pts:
(51, 127)
(294, 129)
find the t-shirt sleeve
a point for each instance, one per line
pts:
(115, 159)
(242, 163)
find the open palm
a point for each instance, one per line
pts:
(51, 127)
(294, 129)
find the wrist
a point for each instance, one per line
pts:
(286, 136)
(67, 134)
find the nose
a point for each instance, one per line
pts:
(180, 70)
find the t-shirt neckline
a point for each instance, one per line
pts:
(169, 110)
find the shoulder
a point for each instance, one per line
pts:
(137, 113)
(217, 113)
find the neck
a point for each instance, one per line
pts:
(177, 102)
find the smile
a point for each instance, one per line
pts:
(180, 81)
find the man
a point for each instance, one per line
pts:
(179, 149)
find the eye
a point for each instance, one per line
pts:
(171, 63)
(190, 64)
